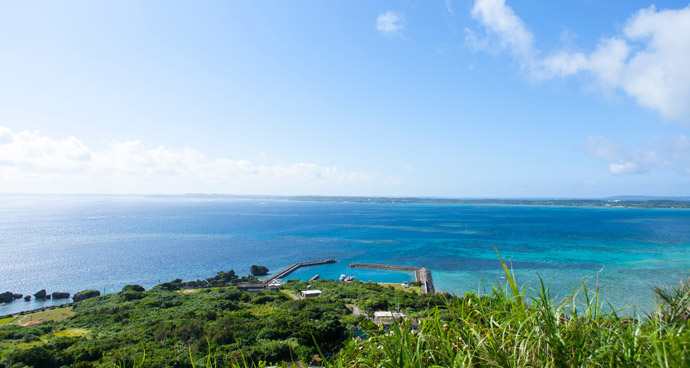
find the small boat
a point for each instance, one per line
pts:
(343, 277)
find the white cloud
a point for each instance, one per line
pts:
(648, 61)
(390, 23)
(31, 161)
(502, 23)
(626, 167)
(657, 154)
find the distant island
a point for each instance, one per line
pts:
(627, 201)
(623, 201)
(658, 203)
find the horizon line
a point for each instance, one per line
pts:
(288, 196)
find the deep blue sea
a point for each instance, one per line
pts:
(74, 243)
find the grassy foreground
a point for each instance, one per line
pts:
(221, 327)
(505, 330)
(501, 331)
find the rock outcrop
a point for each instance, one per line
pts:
(41, 294)
(257, 270)
(27, 298)
(60, 295)
(6, 297)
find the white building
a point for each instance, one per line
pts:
(382, 318)
(310, 293)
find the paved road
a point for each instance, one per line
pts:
(355, 309)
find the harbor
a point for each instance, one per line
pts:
(294, 267)
(421, 274)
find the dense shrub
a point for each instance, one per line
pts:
(131, 295)
(86, 294)
(135, 288)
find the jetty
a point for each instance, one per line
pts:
(294, 267)
(421, 274)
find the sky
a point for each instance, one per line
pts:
(448, 98)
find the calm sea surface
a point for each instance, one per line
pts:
(76, 243)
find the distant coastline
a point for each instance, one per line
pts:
(625, 201)
(602, 203)
(609, 202)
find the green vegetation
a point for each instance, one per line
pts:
(498, 331)
(222, 327)
(180, 329)
(86, 294)
(257, 270)
(134, 288)
(504, 330)
(412, 288)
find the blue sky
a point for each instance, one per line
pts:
(480, 98)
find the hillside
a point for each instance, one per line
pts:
(220, 326)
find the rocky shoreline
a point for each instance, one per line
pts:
(9, 297)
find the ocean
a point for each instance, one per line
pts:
(73, 243)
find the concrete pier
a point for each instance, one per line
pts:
(294, 267)
(421, 274)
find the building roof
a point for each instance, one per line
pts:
(387, 314)
(311, 292)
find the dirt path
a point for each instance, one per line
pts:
(293, 296)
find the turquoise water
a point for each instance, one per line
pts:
(76, 243)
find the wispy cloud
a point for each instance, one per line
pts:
(657, 154)
(449, 7)
(390, 23)
(647, 61)
(29, 159)
(504, 27)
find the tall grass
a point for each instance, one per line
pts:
(503, 329)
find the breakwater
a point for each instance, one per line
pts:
(294, 267)
(421, 274)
